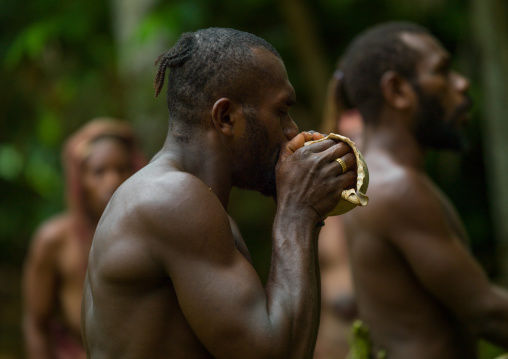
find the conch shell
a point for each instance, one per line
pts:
(350, 198)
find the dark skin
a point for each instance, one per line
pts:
(169, 274)
(418, 288)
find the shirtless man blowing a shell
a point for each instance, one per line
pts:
(169, 274)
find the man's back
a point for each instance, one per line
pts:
(130, 282)
(396, 293)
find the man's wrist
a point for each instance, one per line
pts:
(300, 218)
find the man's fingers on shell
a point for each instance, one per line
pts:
(333, 169)
(350, 161)
(320, 146)
(349, 179)
(338, 151)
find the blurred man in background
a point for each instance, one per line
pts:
(97, 159)
(418, 289)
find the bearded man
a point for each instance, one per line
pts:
(169, 274)
(419, 291)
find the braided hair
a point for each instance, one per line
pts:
(370, 55)
(175, 57)
(206, 65)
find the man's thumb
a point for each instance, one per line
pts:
(291, 146)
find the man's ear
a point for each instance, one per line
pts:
(223, 116)
(397, 91)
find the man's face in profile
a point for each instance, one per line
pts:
(259, 156)
(433, 128)
(268, 126)
(443, 102)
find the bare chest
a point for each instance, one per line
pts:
(451, 216)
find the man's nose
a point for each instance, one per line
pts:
(461, 83)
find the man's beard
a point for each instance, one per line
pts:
(432, 129)
(255, 161)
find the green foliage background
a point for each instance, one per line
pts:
(64, 63)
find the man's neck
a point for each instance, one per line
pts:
(395, 139)
(203, 157)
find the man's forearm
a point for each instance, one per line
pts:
(318, 284)
(293, 284)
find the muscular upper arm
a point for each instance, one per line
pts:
(416, 224)
(218, 290)
(40, 272)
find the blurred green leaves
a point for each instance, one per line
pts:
(31, 42)
(38, 170)
(41, 174)
(49, 131)
(170, 20)
(58, 71)
(11, 163)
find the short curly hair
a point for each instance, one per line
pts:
(371, 54)
(209, 64)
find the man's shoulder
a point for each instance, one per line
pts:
(54, 228)
(51, 234)
(175, 188)
(406, 201)
(397, 185)
(170, 199)
(397, 195)
(156, 219)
